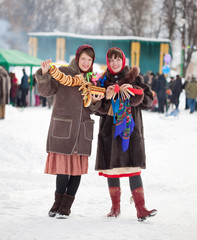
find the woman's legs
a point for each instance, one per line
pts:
(69, 195)
(61, 183)
(191, 104)
(138, 197)
(115, 192)
(113, 182)
(37, 100)
(73, 185)
(66, 188)
(67, 184)
(135, 182)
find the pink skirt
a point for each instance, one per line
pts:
(74, 164)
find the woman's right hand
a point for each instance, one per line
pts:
(45, 66)
(109, 91)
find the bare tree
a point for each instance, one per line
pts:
(187, 10)
(191, 31)
(169, 11)
(105, 16)
(134, 16)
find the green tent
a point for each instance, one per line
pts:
(12, 58)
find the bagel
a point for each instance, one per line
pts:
(63, 80)
(70, 80)
(52, 69)
(87, 100)
(61, 76)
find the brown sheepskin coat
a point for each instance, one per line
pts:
(4, 86)
(71, 128)
(109, 151)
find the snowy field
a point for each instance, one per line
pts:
(170, 183)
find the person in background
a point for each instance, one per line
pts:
(147, 77)
(153, 84)
(36, 93)
(120, 150)
(171, 86)
(24, 87)
(13, 90)
(50, 101)
(4, 90)
(177, 90)
(188, 80)
(71, 129)
(43, 101)
(191, 91)
(161, 92)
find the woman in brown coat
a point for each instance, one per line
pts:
(121, 151)
(71, 129)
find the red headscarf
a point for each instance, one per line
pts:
(123, 60)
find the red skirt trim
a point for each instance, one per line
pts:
(120, 175)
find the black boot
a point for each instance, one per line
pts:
(56, 205)
(65, 206)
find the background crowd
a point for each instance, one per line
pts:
(17, 93)
(166, 92)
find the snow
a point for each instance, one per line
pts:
(100, 37)
(26, 193)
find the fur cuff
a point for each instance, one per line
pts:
(137, 99)
(42, 78)
(95, 107)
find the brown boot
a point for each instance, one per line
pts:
(142, 212)
(56, 205)
(65, 206)
(115, 197)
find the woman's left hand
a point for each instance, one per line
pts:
(126, 85)
(96, 97)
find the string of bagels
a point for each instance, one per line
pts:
(88, 88)
(78, 80)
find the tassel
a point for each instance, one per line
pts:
(115, 106)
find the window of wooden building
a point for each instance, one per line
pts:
(33, 46)
(60, 49)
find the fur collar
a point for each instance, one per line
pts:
(74, 67)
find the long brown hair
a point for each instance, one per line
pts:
(114, 52)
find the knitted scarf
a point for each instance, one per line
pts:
(124, 123)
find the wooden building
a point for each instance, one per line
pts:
(147, 53)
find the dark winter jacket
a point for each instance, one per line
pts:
(109, 152)
(71, 128)
(24, 82)
(177, 87)
(161, 87)
(154, 84)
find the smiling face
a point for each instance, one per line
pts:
(85, 62)
(115, 64)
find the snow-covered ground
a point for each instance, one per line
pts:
(170, 183)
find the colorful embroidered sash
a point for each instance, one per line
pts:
(124, 121)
